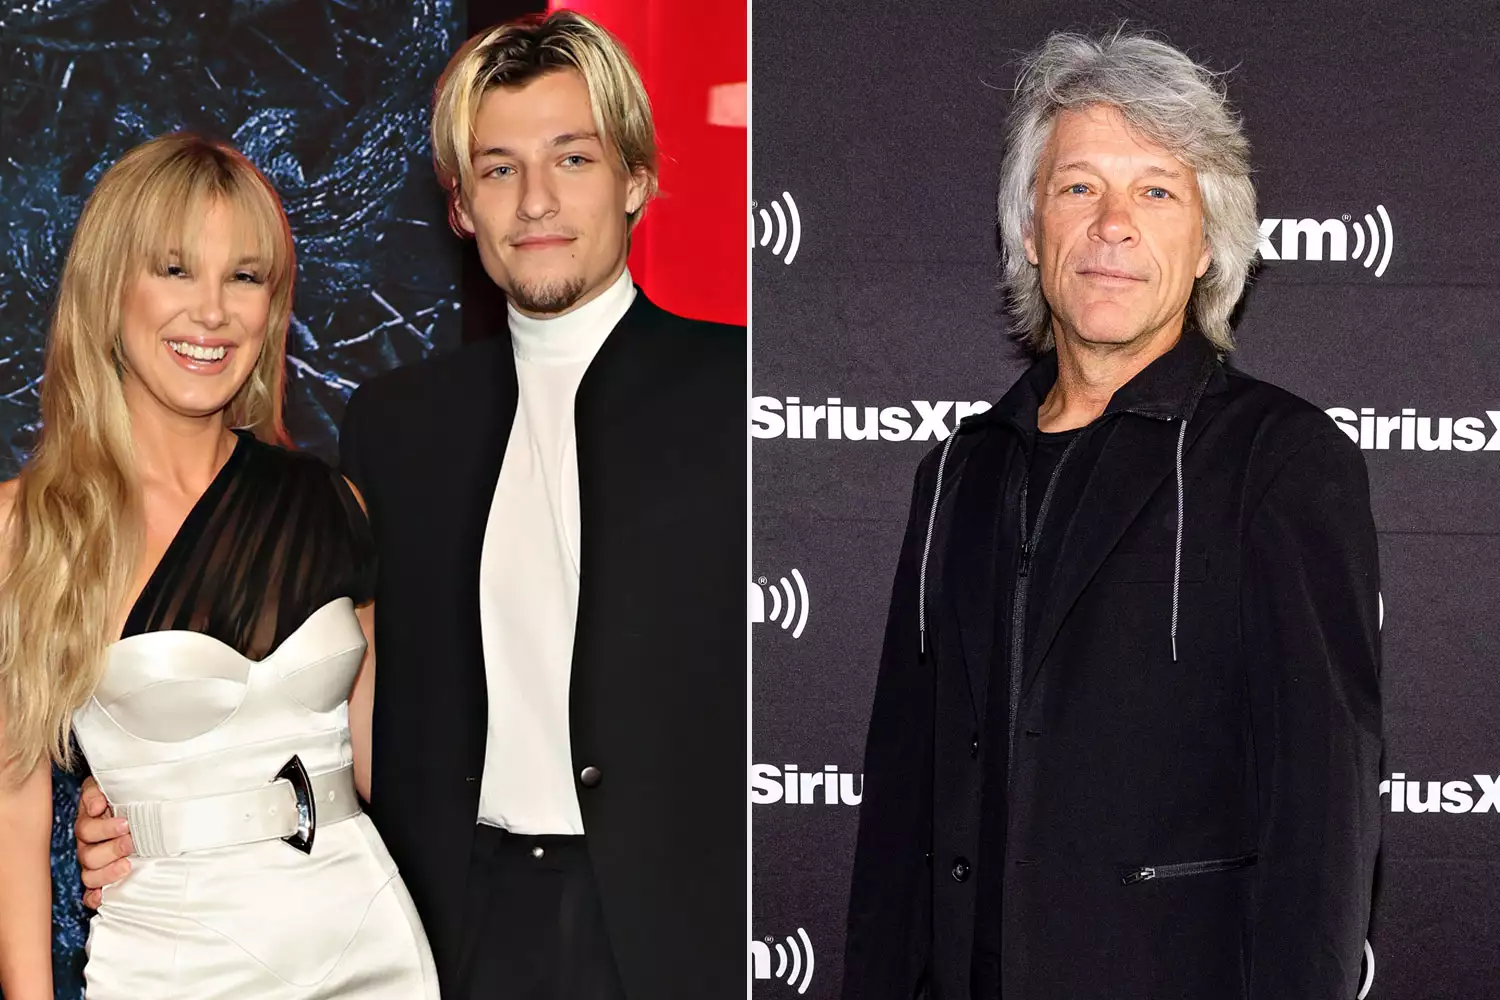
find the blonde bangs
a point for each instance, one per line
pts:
(454, 108)
(170, 215)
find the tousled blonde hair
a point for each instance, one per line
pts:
(514, 54)
(73, 537)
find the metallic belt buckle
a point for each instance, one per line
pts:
(307, 811)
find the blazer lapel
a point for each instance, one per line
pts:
(612, 412)
(492, 399)
(970, 569)
(622, 371)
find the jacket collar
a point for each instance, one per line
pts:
(1116, 488)
(1169, 388)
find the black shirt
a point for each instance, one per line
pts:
(1045, 454)
(1047, 450)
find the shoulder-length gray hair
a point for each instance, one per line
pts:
(1170, 101)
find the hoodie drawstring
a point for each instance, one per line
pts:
(1177, 552)
(937, 493)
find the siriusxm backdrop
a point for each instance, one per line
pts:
(329, 99)
(877, 324)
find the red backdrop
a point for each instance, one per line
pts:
(689, 252)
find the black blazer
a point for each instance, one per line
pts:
(658, 700)
(1191, 821)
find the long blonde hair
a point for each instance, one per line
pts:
(75, 529)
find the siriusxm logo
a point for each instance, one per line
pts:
(922, 420)
(784, 225)
(789, 611)
(794, 960)
(793, 786)
(1480, 795)
(1407, 431)
(1328, 239)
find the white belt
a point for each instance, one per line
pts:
(169, 827)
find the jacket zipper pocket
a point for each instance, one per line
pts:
(1149, 872)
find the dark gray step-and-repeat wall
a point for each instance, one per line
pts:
(877, 138)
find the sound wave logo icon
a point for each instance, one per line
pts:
(1368, 978)
(1308, 239)
(1390, 240)
(790, 964)
(784, 224)
(789, 603)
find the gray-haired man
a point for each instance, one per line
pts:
(1126, 733)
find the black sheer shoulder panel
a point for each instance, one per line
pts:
(276, 536)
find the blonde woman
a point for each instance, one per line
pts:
(180, 592)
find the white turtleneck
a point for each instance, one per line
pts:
(528, 576)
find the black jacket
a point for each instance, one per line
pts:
(1197, 686)
(657, 699)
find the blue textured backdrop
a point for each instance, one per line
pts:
(329, 98)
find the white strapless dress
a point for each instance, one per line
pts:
(181, 715)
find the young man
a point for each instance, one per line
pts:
(1126, 733)
(559, 716)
